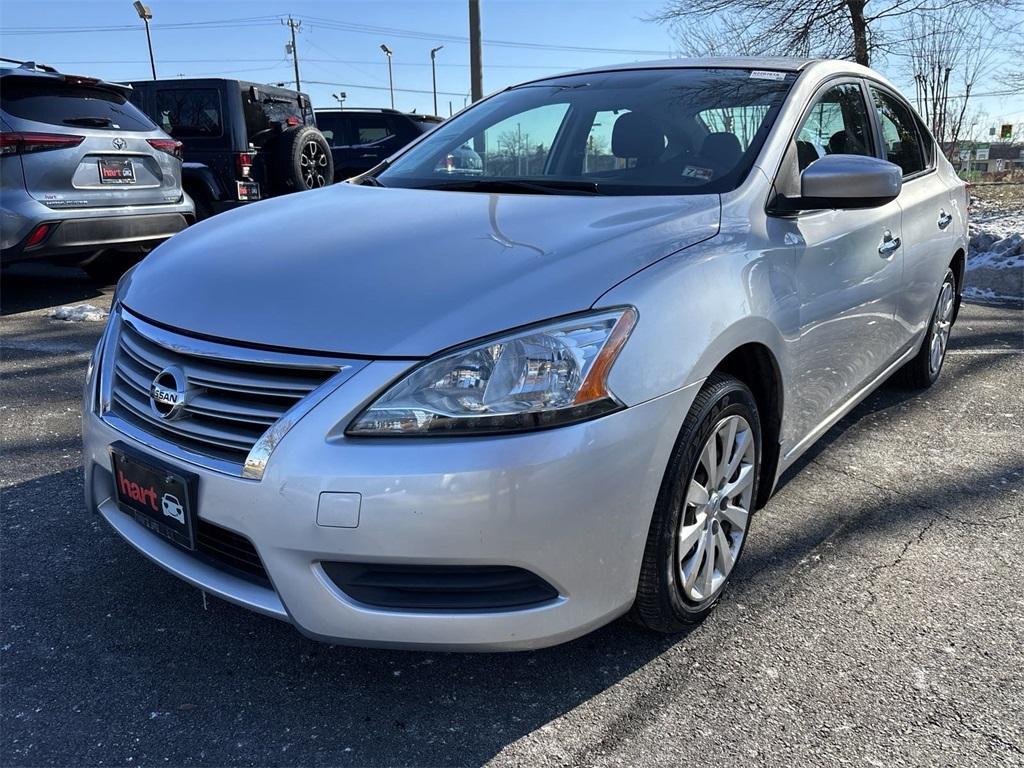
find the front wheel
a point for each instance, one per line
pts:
(703, 512)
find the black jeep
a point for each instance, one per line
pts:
(243, 141)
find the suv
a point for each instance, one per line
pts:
(242, 141)
(85, 178)
(361, 138)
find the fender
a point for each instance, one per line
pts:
(198, 176)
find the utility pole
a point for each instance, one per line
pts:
(146, 14)
(433, 72)
(294, 25)
(340, 96)
(476, 73)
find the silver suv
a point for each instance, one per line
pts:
(85, 177)
(496, 407)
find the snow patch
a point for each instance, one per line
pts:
(80, 313)
(995, 258)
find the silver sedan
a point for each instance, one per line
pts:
(496, 409)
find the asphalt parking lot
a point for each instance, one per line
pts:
(877, 617)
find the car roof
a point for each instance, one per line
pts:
(771, 63)
(45, 72)
(375, 111)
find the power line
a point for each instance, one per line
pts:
(376, 87)
(341, 26)
(249, 21)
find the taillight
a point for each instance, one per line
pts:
(170, 146)
(244, 160)
(292, 121)
(17, 143)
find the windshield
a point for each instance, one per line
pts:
(639, 132)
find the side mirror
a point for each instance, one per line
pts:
(849, 181)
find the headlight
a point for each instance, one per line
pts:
(537, 377)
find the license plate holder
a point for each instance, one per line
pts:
(248, 191)
(116, 170)
(159, 496)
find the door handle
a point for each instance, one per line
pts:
(889, 245)
(944, 219)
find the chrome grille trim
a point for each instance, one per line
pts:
(244, 401)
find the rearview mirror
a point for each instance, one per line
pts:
(849, 181)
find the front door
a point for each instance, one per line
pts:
(846, 271)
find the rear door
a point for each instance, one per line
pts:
(100, 156)
(929, 240)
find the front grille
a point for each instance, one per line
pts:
(440, 587)
(228, 549)
(230, 403)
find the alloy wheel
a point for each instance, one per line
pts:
(313, 162)
(719, 499)
(941, 323)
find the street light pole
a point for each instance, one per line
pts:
(341, 96)
(146, 14)
(391, 79)
(433, 72)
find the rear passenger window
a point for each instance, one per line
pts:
(838, 124)
(372, 129)
(190, 113)
(900, 139)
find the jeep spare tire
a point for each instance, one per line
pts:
(303, 159)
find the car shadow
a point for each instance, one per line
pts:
(29, 286)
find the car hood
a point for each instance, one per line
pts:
(386, 272)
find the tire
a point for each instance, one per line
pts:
(664, 602)
(923, 370)
(202, 202)
(302, 160)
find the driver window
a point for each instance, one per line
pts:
(838, 124)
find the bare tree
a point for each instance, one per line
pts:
(947, 54)
(853, 29)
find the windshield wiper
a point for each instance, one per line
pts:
(523, 186)
(99, 122)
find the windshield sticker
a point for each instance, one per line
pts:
(696, 172)
(760, 74)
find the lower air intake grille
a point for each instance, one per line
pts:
(440, 587)
(227, 548)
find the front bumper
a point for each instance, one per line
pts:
(571, 505)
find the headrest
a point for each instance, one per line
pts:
(723, 147)
(636, 135)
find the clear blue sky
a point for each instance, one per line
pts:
(106, 38)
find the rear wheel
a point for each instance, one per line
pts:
(923, 369)
(702, 516)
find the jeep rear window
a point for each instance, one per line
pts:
(271, 111)
(189, 113)
(80, 106)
